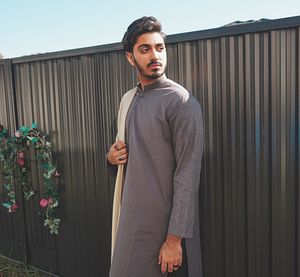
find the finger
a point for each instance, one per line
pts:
(122, 162)
(159, 258)
(163, 267)
(116, 160)
(170, 267)
(115, 145)
(121, 142)
(118, 145)
(112, 148)
(180, 260)
(117, 155)
(122, 151)
(122, 157)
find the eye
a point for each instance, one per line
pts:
(161, 48)
(144, 49)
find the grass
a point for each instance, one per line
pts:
(11, 269)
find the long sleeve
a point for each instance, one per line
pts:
(187, 131)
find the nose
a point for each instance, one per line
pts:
(154, 55)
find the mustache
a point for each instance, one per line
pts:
(154, 63)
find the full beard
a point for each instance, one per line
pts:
(153, 75)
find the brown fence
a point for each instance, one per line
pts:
(246, 78)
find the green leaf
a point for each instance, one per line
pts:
(57, 221)
(42, 156)
(33, 139)
(6, 205)
(25, 130)
(54, 231)
(34, 125)
(11, 194)
(28, 194)
(49, 172)
(44, 166)
(55, 204)
(9, 186)
(48, 143)
(3, 132)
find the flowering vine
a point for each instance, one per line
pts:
(14, 165)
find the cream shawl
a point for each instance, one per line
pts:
(124, 106)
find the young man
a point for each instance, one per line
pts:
(157, 230)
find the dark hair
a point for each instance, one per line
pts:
(145, 24)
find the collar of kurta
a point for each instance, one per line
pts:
(156, 84)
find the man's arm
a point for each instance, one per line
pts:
(187, 131)
(170, 254)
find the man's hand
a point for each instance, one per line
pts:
(117, 153)
(170, 254)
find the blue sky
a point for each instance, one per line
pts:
(40, 26)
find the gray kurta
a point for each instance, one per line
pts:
(164, 136)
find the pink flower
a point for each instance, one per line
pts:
(21, 162)
(21, 155)
(44, 203)
(17, 134)
(13, 208)
(56, 174)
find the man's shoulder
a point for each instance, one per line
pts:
(181, 94)
(177, 88)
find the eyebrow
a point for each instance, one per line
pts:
(149, 45)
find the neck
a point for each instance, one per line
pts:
(144, 81)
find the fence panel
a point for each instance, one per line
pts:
(75, 100)
(12, 233)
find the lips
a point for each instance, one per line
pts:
(154, 65)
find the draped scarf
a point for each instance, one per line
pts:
(123, 109)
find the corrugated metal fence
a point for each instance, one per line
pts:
(247, 79)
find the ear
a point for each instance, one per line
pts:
(130, 58)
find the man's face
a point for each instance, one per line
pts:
(149, 56)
